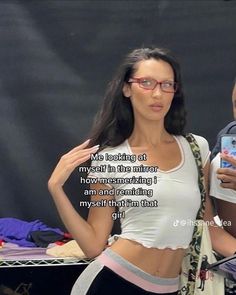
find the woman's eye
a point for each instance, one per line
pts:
(146, 82)
(168, 84)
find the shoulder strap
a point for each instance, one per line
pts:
(198, 159)
(195, 245)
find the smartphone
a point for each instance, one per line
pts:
(228, 146)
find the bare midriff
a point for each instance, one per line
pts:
(164, 263)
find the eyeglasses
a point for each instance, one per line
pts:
(151, 84)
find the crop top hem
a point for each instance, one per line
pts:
(146, 245)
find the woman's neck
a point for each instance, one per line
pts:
(151, 133)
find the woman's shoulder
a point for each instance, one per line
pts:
(201, 140)
(203, 146)
(121, 148)
(109, 154)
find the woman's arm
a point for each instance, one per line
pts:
(222, 241)
(91, 235)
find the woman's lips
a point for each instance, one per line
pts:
(156, 107)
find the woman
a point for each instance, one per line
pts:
(141, 124)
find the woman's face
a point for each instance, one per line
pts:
(150, 104)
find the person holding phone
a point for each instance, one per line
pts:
(140, 128)
(223, 182)
(229, 126)
(223, 179)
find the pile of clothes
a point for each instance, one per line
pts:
(29, 234)
(16, 235)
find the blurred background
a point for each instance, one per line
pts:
(56, 58)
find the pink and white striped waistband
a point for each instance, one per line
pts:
(135, 275)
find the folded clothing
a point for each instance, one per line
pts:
(44, 238)
(70, 249)
(20, 232)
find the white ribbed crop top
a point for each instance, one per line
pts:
(160, 209)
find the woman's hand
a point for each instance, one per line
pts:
(69, 162)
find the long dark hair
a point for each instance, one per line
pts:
(115, 121)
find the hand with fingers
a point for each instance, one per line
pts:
(227, 175)
(69, 162)
(81, 230)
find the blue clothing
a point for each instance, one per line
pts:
(18, 232)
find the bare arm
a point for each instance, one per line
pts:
(91, 235)
(222, 242)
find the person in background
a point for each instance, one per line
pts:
(223, 180)
(223, 185)
(227, 128)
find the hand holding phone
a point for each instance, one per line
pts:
(228, 147)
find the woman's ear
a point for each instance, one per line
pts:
(126, 90)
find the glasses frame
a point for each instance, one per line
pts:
(138, 80)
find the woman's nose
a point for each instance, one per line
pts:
(157, 91)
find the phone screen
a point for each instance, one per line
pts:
(228, 146)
